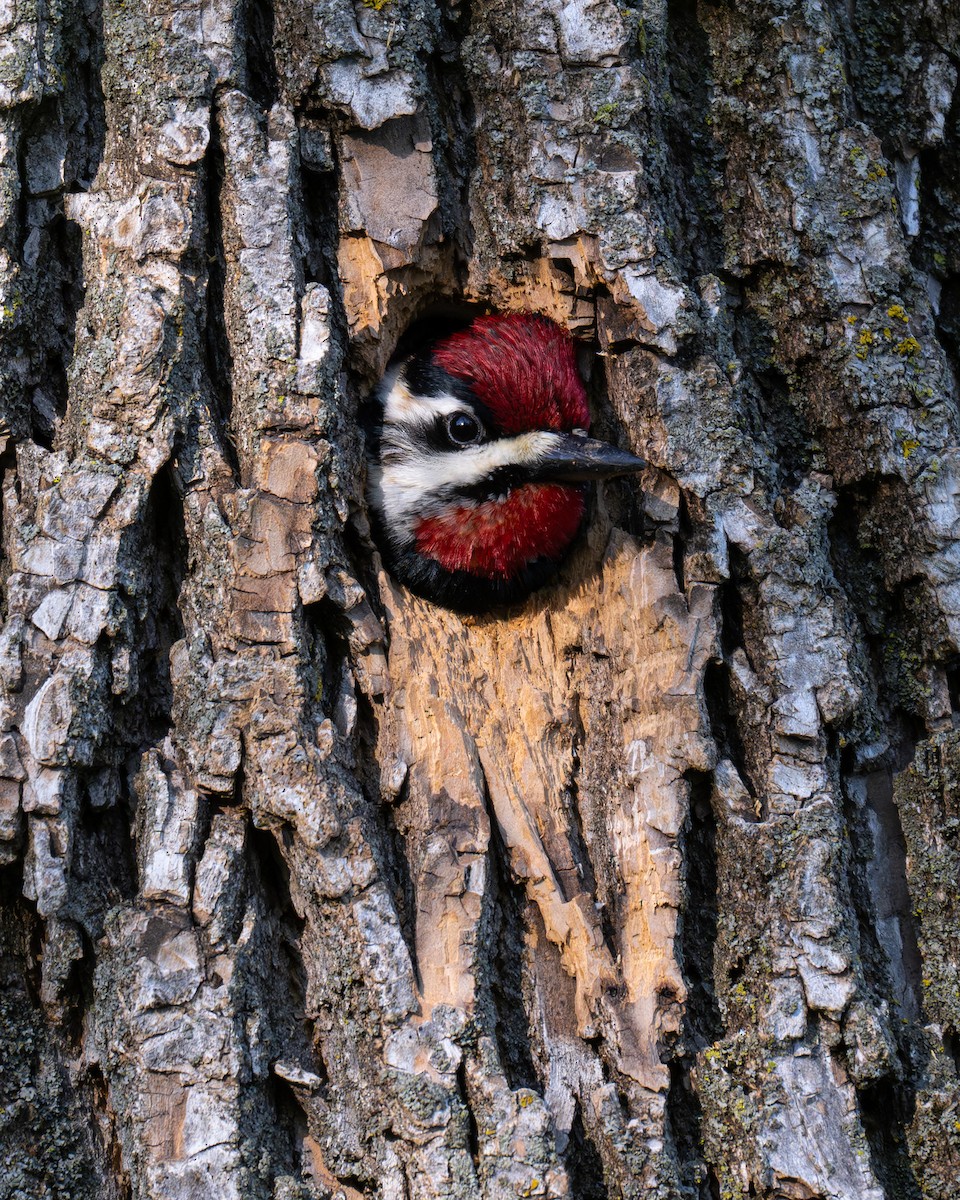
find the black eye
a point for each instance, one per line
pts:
(464, 430)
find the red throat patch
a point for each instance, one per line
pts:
(498, 538)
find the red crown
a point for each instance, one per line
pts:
(523, 368)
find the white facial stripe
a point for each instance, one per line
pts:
(458, 468)
(402, 407)
(415, 484)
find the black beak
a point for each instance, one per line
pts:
(576, 458)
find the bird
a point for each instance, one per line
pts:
(479, 460)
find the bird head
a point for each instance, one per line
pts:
(480, 459)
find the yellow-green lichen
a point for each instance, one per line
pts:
(908, 348)
(864, 342)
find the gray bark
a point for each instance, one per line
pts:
(646, 888)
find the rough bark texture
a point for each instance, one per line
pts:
(648, 888)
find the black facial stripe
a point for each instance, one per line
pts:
(425, 378)
(492, 486)
(495, 483)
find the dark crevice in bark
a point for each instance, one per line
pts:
(898, 638)
(951, 1046)
(272, 875)
(330, 646)
(137, 660)
(680, 541)
(454, 127)
(218, 356)
(886, 919)
(318, 240)
(890, 959)
(319, 191)
(69, 1011)
(105, 1134)
(770, 394)
(271, 979)
(586, 879)
(48, 1144)
(65, 127)
(724, 718)
(277, 980)
(583, 1162)
(50, 282)
(892, 660)
(8, 473)
(754, 339)
(507, 967)
(157, 552)
(903, 631)
(732, 601)
(103, 868)
(696, 942)
(952, 673)
(684, 1122)
(239, 778)
(61, 269)
(890, 50)
(282, 1125)
(262, 80)
(34, 122)
(875, 34)
(697, 931)
(694, 154)
(886, 1109)
(784, 427)
(83, 102)
(21, 932)
(392, 849)
(319, 188)
(360, 548)
(948, 314)
(470, 1121)
(387, 830)
(935, 250)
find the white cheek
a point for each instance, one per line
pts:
(405, 494)
(417, 473)
(401, 408)
(411, 484)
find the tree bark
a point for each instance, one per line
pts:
(647, 887)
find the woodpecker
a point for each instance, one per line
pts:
(479, 460)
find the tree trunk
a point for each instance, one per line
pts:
(645, 888)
